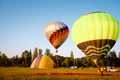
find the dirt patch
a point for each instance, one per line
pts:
(70, 74)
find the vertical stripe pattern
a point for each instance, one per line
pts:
(95, 33)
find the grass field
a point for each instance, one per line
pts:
(16, 73)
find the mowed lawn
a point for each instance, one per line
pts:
(17, 73)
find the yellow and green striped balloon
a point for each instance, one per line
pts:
(95, 33)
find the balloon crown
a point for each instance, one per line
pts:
(95, 12)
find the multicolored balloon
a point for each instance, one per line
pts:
(42, 61)
(95, 33)
(56, 32)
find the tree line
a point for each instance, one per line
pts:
(27, 56)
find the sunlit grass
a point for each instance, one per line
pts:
(16, 73)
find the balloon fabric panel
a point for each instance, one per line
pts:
(56, 33)
(89, 48)
(95, 33)
(58, 37)
(95, 26)
(46, 62)
(37, 61)
(42, 62)
(33, 63)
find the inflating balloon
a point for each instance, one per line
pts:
(42, 61)
(56, 32)
(95, 33)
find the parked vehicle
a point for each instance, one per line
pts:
(111, 69)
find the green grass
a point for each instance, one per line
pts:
(16, 73)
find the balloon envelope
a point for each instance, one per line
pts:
(42, 61)
(56, 33)
(95, 33)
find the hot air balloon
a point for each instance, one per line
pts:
(42, 61)
(95, 33)
(56, 32)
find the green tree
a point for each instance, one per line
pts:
(29, 58)
(119, 55)
(40, 51)
(56, 60)
(83, 62)
(50, 55)
(0, 57)
(13, 61)
(17, 60)
(87, 61)
(4, 60)
(72, 55)
(26, 58)
(35, 53)
(72, 62)
(76, 62)
(112, 58)
(65, 62)
(112, 54)
(47, 52)
(100, 62)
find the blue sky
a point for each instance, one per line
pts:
(22, 23)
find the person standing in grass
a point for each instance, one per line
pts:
(101, 70)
